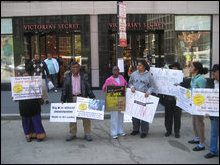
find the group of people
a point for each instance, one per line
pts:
(76, 83)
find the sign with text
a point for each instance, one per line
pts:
(27, 87)
(65, 112)
(89, 108)
(165, 79)
(122, 25)
(205, 101)
(184, 99)
(140, 107)
(115, 98)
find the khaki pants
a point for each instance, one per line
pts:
(199, 127)
(44, 90)
(86, 124)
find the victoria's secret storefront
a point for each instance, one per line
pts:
(160, 38)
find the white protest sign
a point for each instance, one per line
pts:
(165, 79)
(65, 112)
(140, 107)
(184, 99)
(89, 108)
(205, 101)
(27, 87)
(127, 118)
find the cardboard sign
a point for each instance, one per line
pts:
(115, 98)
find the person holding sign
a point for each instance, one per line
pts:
(30, 110)
(116, 116)
(76, 84)
(172, 112)
(197, 81)
(214, 120)
(141, 80)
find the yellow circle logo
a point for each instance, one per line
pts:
(198, 100)
(83, 107)
(17, 88)
(188, 94)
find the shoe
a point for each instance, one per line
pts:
(177, 135)
(70, 137)
(88, 137)
(28, 139)
(134, 132)
(123, 134)
(167, 134)
(143, 135)
(47, 102)
(193, 142)
(210, 155)
(197, 148)
(40, 140)
(115, 137)
(55, 91)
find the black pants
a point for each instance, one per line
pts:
(172, 112)
(137, 123)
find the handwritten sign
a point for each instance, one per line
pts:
(184, 99)
(205, 101)
(89, 108)
(165, 79)
(65, 112)
(115, 98)
(27, 87)
(140, 107)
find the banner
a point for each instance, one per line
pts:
(127, 118)
(165, 79)
(140, 107)
(205, 101)
(89, 108)
(27, 87)
(65, 112)
(184, 99)
(115, 98)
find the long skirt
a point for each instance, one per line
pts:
(33, 127)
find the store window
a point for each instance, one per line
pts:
(193, 41)
(7, 51)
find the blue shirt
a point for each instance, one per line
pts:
(118, 80)
(51, 67)
(198, 82)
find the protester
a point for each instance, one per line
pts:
(76, 83)
(214, 120)
(141, 80)
(53, 68)
(36, 67)
(30, 111)
(197, 81)
(172, 112)
(116, 116)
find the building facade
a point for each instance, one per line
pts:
(86, 31)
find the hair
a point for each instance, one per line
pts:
(145, 64)
(198, 66)
(73, 63)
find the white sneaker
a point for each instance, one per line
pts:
(55, 91)
(123, 134)
(115, 137)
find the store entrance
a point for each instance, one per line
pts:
(140, 46)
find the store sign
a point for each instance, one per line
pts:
(51, 27)
(122, 25)
(140, 25)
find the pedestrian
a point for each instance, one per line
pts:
(53, 68)
(172, 112)
(197, 81)
(30, 112)
(141, 80)
(36, 67)
(214, 120)
(76, 84)
(116, 116)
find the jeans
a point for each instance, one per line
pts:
(47, 83)
(53, 79)
(116, 123)
(214, 136)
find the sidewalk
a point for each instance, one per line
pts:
(155, 148)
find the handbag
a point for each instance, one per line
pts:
(50, 85)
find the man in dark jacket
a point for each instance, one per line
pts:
(76, 83)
